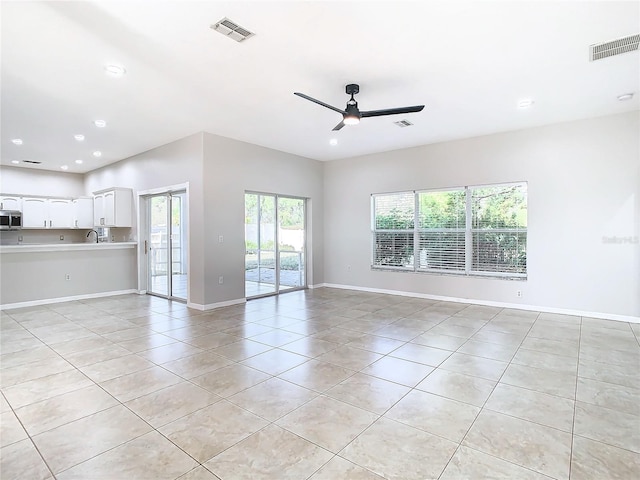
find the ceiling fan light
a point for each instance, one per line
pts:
(351, 120)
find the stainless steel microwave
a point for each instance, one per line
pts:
(10, 220)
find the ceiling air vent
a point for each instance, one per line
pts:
(403, 123)
(33, 162)
(232, 30)
(614, 47)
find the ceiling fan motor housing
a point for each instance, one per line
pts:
(352, 88)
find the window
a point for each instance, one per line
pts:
(393, 230)
(441, 230)
(499, 229)
(478, 230)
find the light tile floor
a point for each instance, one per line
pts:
(317, 384)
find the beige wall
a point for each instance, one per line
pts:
(584, 185)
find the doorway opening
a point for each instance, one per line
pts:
(275, 244)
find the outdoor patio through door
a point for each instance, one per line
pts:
(274, 244)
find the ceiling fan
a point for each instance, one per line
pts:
(351, 115)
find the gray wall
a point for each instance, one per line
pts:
(584, 185)
(218, 171)
(38, 276)
(29, 181)
(584, 188)
(230, 169)
(175, 163)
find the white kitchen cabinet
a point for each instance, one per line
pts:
(83, 212)
(11, 203)
(46, 212)
(60, 211)
(113, 208)
(34, 212)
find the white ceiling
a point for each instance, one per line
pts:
(468, 62)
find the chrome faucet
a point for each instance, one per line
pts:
(93, 232)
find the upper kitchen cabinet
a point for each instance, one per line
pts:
(83, 212)
(46, 212)
(113, 208)
(10, 203)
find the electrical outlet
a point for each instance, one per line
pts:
(220, 239)
(220, 279)
(519, 293)
(61, 237)
(67, 276)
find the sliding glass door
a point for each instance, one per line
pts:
(167, 245)
(274, 244)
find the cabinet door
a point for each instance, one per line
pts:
(83, 213)
(110, 209)
(34, 213)
(60, 213)
(98, 210)
(10, 203)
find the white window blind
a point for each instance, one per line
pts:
(393, 230)
(478, 230)
(441, 230)
(499, 229)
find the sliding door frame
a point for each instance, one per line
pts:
(277, 196)
(144, 273)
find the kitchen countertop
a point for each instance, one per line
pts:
(64, 247)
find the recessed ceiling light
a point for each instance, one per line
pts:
(525, 103)
(114, 70)
(333, 141)
(100, 123)
(625, 97)
(97, 153)
(15, 162)
(79, 161)
(17, 141)
(79, 137)
(64, 167)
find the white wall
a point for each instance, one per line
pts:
(29, 181)
(584, 185)
(231, 168)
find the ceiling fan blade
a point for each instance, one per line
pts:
(311, 99)
(338, 126)
(392, 111)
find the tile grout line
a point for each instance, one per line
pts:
(575, 402)
(487, 399)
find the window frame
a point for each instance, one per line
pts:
(468, 230)
(376, 231)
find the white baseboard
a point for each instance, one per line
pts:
(518, 306)
(35, 303)
(320, 285)
(211, 306)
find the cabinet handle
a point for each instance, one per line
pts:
(45, 224)
(50, 224)
(76, 223)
